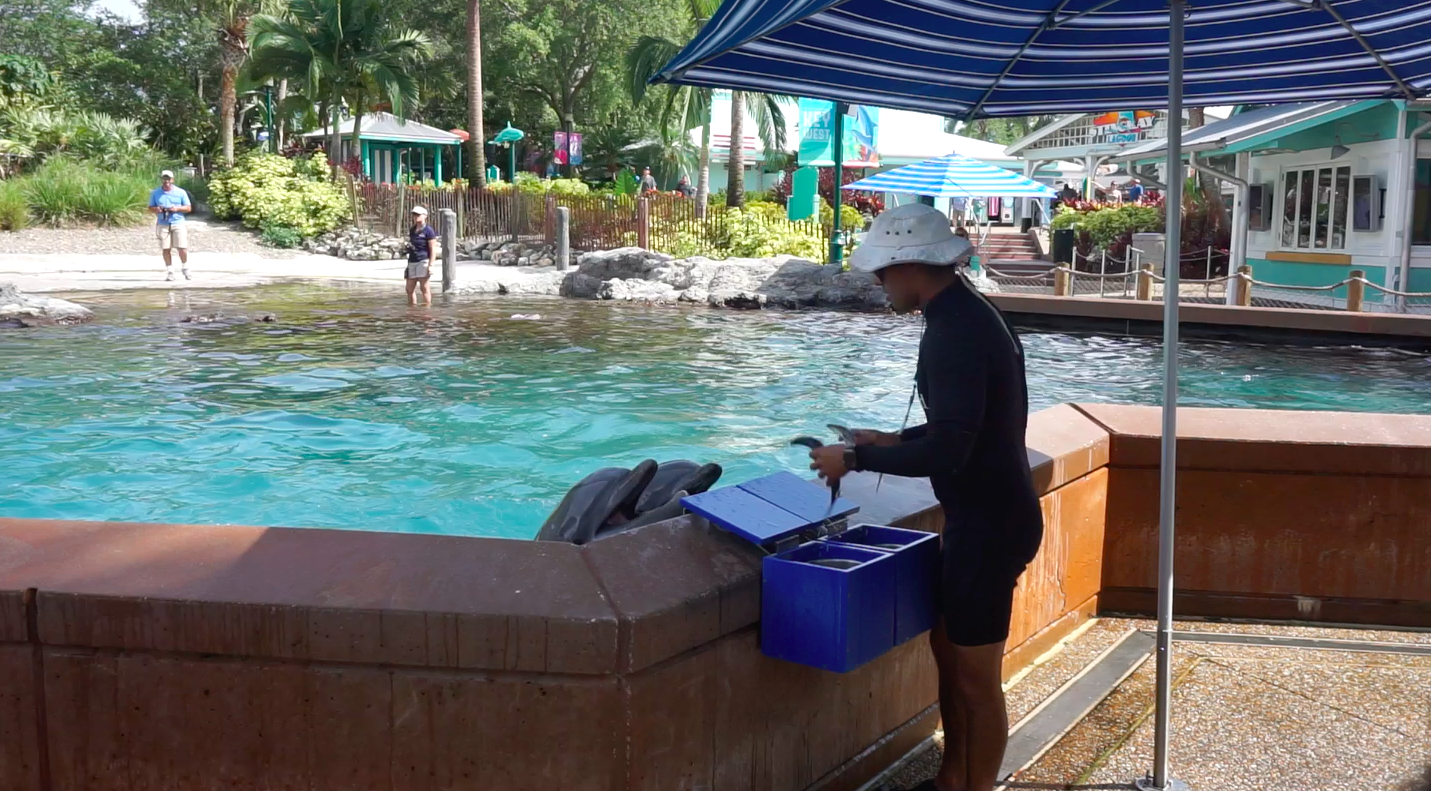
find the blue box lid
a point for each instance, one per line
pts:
(768, 509)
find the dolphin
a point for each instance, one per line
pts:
(608, 494)
(671, 509)
(674, 476)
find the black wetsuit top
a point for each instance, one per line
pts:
(971, 384)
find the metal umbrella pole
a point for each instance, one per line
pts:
(1167, 489)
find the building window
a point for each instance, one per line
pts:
(1314, 208)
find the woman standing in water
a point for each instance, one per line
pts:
(421, 257)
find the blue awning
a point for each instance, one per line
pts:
(954, 176)
(973, 58)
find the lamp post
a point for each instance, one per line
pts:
(507, 138)
(268, 107)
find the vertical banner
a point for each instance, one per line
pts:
(574, 147)
(559, 148)
(817, 123)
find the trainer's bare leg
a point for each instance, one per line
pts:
(953, 772)
(412, 292)
(426, 291)
(979, 680)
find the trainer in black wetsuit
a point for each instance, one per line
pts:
(971, 383)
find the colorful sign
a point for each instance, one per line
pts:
(861, 133)
(566, 149)
(574, 147)
(1124, 126)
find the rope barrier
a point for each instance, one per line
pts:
(1394, 292)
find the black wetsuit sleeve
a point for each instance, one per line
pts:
(913, 432)
(956, 380)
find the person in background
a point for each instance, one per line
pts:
(684, 187)
(1069, 194)
(421, 257)
(648, 182)
(971, 383)
(169, 203)
(1135, 191)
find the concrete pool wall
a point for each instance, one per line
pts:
(142, 657)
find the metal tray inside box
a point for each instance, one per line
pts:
(917, 561)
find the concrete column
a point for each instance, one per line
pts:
(563, 242)
(449, 250)
(1090, 169)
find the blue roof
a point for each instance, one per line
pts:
(972, 58)
(954, 176)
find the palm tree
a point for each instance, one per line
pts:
(476, 151)
(343, 49)
(689, 108)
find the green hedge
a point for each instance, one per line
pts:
(268, 190)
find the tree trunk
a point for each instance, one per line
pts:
(227, 100)
(1207, 186)
(703, 178)
(282, 118)
(357, 130)
(233, 49)
(335, 138)
(476, 153)
(735, 170)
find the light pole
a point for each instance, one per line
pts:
(507, 138)
(268, 107)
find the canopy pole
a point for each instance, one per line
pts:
(837, 154)
(1167, 489)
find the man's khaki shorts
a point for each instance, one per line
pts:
(172, 236)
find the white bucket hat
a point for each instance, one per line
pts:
(419, 210)
(910, 234)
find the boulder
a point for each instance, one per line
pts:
(18, 309)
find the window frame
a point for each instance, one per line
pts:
(1300, 174)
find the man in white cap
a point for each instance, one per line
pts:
(421, 257)
(169, 203)
(970, 381)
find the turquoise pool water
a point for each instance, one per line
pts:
(354, 411)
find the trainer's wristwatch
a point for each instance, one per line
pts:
(852, 460)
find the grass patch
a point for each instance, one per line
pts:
(63, 192)
(14, 208)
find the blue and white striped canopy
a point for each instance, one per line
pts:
(977, 58)
(954, 176)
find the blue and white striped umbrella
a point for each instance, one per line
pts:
(954, 176)
(975, 58)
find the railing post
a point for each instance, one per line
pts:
(1103, 272)
(643, 224)
(1061, 282)
(461, 196)
(1208, 274)
(1145, 282)
(549, 219)
(1244, 285)
(449, 250)
(563, 242)
(1356, 290)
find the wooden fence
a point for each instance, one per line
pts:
(661, 222)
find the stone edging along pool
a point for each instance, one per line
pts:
(208, 657)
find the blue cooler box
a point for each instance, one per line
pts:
(916, 584)
(829, 597)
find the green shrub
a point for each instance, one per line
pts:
(266, 189)
(14, 208)
(63, 192)
(281, 236)
(1106, 225)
